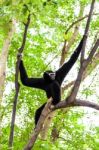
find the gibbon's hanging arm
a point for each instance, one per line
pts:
(17, 86)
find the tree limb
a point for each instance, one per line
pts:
(68, 44)
(92, 65)
(17, 86)
(77, 102)
(86, 30)
(24, 35)
(75, 89)
(44, 114)
(85, 103)
(93, 51)
(78, 20)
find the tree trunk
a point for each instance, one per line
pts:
(3, 60)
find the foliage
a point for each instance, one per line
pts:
(49, 21)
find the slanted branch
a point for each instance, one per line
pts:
(39, 126)
(46, 125)
(83, 63)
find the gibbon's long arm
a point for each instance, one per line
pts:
(62, 71)
(30, 82)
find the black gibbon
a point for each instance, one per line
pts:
(51, 81)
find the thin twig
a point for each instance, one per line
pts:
(78, 20)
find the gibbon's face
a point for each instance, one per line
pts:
(52, 75)
(49, 75)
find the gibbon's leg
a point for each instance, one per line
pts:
(38, 113)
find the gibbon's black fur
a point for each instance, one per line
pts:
(51, 81)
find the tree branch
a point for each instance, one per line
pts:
(47, 109)
(24, 35)
(77, 102)
(78, 20)
(44, 114)
(17, 86)
(64, 49)
(92, 65)
(68, 44)
(93, 51)
(85, 103)
(83, 66)
(86, 30)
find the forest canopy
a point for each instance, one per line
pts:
(45, 33)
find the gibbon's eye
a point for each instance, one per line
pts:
(52, 75)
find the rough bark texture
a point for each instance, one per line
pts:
(44, 114)
(46, 126)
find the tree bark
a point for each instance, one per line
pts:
(3, 61)
(44, 114)
(75, 89)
